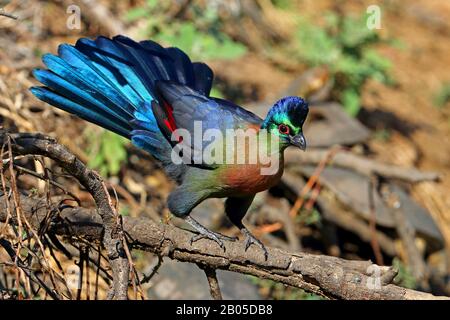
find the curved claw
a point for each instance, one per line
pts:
(205, 233)
(210, 236)
(252, 240)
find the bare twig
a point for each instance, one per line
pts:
(37, 144)
(333, 212)
(214, 287)
(43, 177)
(8, 15)
(407, 233)
(30, 274)
(313, 180)
(155, 269)
(373, 221)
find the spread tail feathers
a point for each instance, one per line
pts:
(112, 83)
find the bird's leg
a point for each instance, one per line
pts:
(251, 239)
(181, 202)
(206, 233)
(236, 208)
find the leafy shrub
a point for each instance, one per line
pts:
(200, 37)
(344, 44)
(443, 96)
(107, 152)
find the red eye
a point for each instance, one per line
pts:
(283, 129)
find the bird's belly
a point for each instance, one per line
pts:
(250, 178)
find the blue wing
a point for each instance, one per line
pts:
(188, 109)
(111, 82)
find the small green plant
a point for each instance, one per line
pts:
(404, 277)
(200, 37)
(107, 152)
(345, 45)
(382, 135)
(309, 217)
(443, 96)
(124, 210)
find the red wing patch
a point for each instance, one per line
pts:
(170, 121)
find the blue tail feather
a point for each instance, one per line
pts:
(108, 103)
(105, 49)
(82, 65)
(83, 97)
(113, 73)
(183, 67)
(112, 82)
(65, 104)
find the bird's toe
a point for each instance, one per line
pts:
(252, 240)
(210, 236)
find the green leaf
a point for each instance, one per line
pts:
(354, 32)
(315, 46)
(404, 276)
(135, 14)
(443, 96)
(350, 100)
(107, 153)
(216, 93)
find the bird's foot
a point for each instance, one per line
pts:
(250, 239)
(208, 235)
(204, 233)
(217, 237)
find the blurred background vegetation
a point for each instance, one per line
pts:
(393, 81)
(339, 42)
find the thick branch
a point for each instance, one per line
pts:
(324, 275)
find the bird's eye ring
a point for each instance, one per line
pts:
(283, 129)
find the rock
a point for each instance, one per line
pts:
(178, 280)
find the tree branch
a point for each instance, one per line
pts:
(324, 275)
(8, 15)
(214, 287)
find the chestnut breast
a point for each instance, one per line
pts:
(251, 178)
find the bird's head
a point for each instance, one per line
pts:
(285, 119)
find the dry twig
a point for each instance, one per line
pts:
(214, 287)
(37, 144)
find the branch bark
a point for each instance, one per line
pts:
(213, 283)
(324, 275)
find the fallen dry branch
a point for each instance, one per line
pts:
(368, 167)
(324, 275)
(8, 15)
(37, 144)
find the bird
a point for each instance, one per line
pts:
(147, 93)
